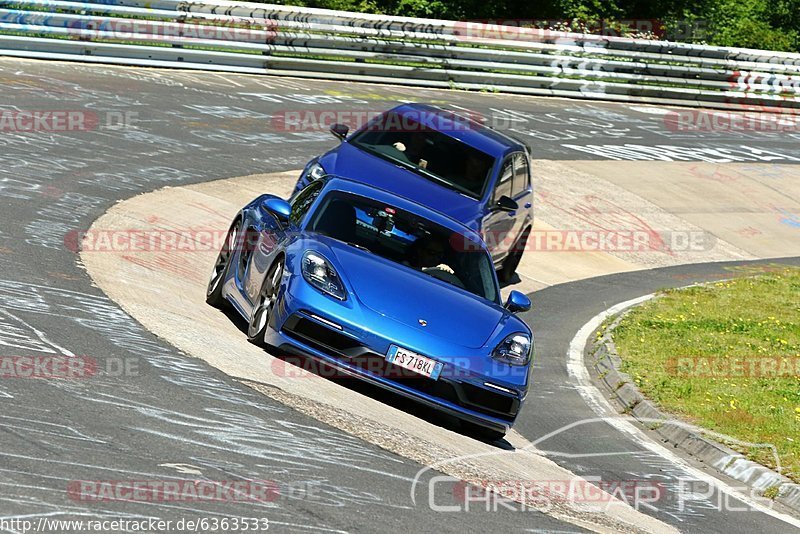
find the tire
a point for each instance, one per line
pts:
(482, 433)
(214, 295)
(262, 311)
(510, 264)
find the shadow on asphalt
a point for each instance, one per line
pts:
(515, 279)
(409, 406)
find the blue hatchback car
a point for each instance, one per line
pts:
(382, 289)
(455, 165)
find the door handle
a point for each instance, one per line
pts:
(528, 205)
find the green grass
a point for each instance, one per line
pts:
(681, 349)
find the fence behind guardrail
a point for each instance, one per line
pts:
(283, 40)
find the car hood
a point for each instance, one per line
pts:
(408, 296)
(351, 162)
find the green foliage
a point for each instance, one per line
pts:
(424, 8)
(360, 6)
(766, 24)
(590, 10)
(763, 24)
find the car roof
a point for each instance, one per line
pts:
(339, 183)
(469, 131)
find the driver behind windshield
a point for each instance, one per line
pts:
(413, 149)
(475, 171)
(428, 254)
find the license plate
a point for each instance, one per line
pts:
(414, 362)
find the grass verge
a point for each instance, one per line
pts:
(726, 357)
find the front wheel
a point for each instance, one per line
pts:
(214, 295)
(262, 312)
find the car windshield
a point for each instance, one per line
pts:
(427, 152)
(407, 239)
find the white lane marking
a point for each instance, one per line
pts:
(232, 82)
(41, 335)
(650, 110)
(185, 469)
(576, 367)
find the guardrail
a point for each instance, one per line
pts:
(284, 40)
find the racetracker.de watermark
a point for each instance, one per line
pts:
(173, 490)
(51, 366)
(525, 29)
(453, 368)
(219, 29)
(75, 120)
(319, 120)
(727, 121)
(734, 367)
(593, 241)
(212, 240)
(560, 30)
(203, 240)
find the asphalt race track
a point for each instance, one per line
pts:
(172, 416)
(593, 448)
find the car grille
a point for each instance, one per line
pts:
(344, 347)
(488, 400)
(321, 337)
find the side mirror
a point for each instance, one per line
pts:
(278, 207)
(339, 131)
(518, 302)
(505, 203)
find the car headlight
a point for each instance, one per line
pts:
(318, 272)
(314, 172)
(514, 350)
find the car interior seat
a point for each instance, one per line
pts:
(338, 221)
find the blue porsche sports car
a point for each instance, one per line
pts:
(383, 289)
(455, 165)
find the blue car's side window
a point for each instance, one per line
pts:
(302, 202)
(505, 180)
(521, 175)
